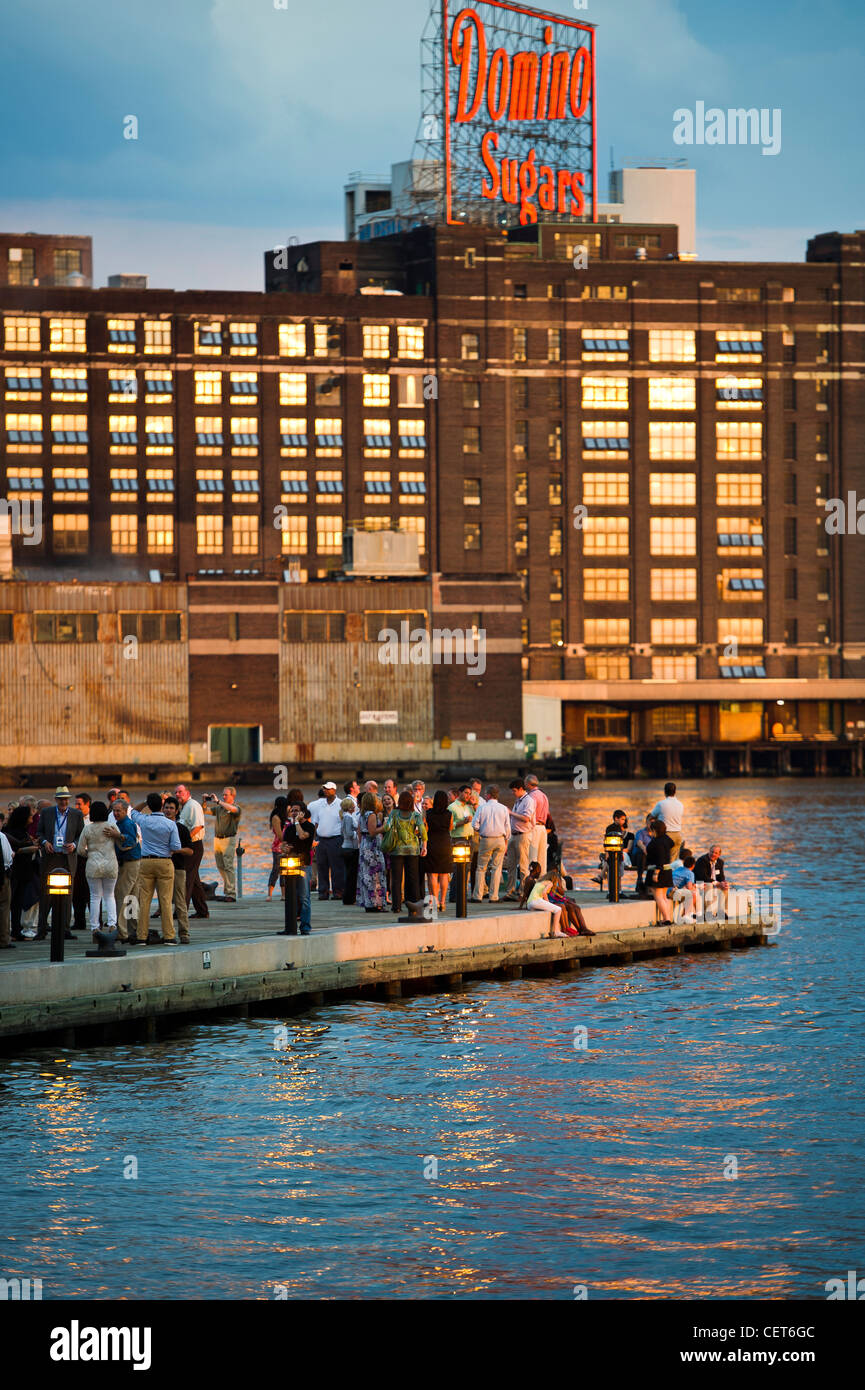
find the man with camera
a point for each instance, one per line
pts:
(298, 835)
(227, 814)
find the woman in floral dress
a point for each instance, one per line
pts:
(371, 871)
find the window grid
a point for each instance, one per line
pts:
(606, 535)
(606, 585)
(673, 632)
(606, 489)
(606, 632)
(609, 392)
(672, 489)
(673, 585)
(672, 345)
(672, 535)
(672, 393)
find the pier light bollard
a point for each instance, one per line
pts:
(239, 853)
(613, 849)
(290, 870)
(60, 892)
(462, 853)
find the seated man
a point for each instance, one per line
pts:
(709, 874)
(684, 889)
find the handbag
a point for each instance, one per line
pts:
(389, 839)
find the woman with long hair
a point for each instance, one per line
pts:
(96, 845)
(371, 871)
(25, 866)
(659, 857)
(439, 862)
(278, 817)
(407, 834)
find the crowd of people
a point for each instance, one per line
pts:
(118, 856)
(380, 851)
(666, 869)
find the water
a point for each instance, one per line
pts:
(314, 1168)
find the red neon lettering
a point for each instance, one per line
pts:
(582, 70)
(510, 185)
(524, 86)
(564, 189)
(461, 53)
(578, 202)
(559, 87)
(490, 142)
(499, 71)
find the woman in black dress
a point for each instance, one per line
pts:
(25, 867)
(439, 861)
(659, 857)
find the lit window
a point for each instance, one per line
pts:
(605, 344)
(605, 535)
(673, 489)
(520, 344)
(292, 388)
(740, 535)
(21, 266)
(471, 439)
(209, 483)
(605, 585)
(471, 535)
(23, 383)
(738, 345)
(376, 436)
(122, 386)
(24, 433)
(607, 391)
(157, 335)
(410, 390)
(376, 390)
(739, 393)
(208, 532)
(245, 485)
(557, 585)
(470, 347)
(21, 334)
(471, 492)
(244, 339)
(327, 340)
(292, 433)
(410, 342)
(557, 632)
(70, 533)
(740, 489)
(672, 393)
(412, 438)
(159, 434)
(160, 533)
(121, 335)
(412, 488)
(294, 534)
(328, 438)
(673, 585)
(68, 383)
(376, 340)
(556, 535)
(605, 439)
(608, 668)
(377, 488)
(208, 339)
(674, 668)
(209, 438)
(208, 388)
(673, 535)
(606, 632)
(159, 482)
(605, 489)
(158, 386)
(521, 536)
(243, 388)
(521, 489)
(554, 490)
(70, 484)
(328, 531)
(68, 335)
(674, 632)
(672, 439)
(328, 485)
(124, 484)
(292, 340)
(244, 534)
(554, 345)
(69, 434)
(122, 434)
(672, 345)
(746, 631)
(124, 533)
(555, 440)
(742, 585)
(739, 439)
(23, 478)
(244, 434)
(295, 485)
(414, 526)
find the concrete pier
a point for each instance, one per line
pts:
(240, 962)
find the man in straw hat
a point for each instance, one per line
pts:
(57, 835)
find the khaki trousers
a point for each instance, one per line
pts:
(517, 853)
(126, 898)
(491, 854)
(539, 847)
(180, 908)
(224, 854)
(155, 874)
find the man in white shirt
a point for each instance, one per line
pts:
(671, 812)
(325, 816)
(492, 821)
(6, 942)
(192, 816)
(522, 818)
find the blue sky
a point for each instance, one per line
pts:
(250, 119)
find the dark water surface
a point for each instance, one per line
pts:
(313, 1167)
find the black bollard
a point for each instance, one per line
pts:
(462, 854)
(613, 850)
(59, 884)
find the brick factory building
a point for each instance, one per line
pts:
(614, 462)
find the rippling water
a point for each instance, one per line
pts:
(314, 1167)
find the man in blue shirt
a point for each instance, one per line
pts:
(159, 840)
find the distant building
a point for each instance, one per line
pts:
(31, 259)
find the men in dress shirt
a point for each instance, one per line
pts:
(492, 822)
(328, 856)
(57, 834)
(159, 840)
(522, 829)
(192, 816)
(538, 849)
